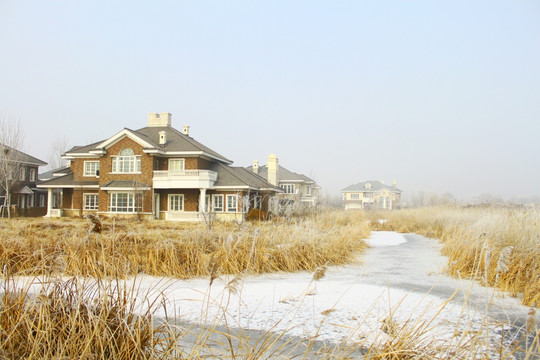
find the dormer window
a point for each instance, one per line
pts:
(367, 186)
(126, 162)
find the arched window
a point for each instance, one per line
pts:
(126, 162)
(126, 152)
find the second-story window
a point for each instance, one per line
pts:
(91, 168)
(355, 196)
(126, 162)
(22, 176)
(32, 174)
(308, 189)
(176, 165)
(288, 188)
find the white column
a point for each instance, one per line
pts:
(49, 201)
(202, 201)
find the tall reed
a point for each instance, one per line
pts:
(124, 247)
(511, 234)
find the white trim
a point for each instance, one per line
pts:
(68, 186)
(119, 136)
(233, 187)
(186, 154)
(70, 156)
(227, 197)
(97, 169)
(181, 202)
(127, 188)
(90, 194)
(183, 162)
(222, 202)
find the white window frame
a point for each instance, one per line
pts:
(22, 175)
(131, 205)
(91, 168)
(182, 166)
(41, 200)
(288, 188)
(126, 164)
(90, 204)
(308, 189)
(208, 203)
(355, 196)
(176, 205)
(257, 202)
(233, 206)
(32, 174)
(217, 208)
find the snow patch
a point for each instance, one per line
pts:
(385, 238)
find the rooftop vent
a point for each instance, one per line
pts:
(185, 130)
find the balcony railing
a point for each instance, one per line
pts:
(184, 179)
(184, 216)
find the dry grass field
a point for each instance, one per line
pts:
(129, 247)
(500, 246)
(92, 314)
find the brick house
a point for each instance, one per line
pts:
(297, 188)
(24, 196)
(156, 172)
(371, 195)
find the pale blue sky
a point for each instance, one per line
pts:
(441, 96)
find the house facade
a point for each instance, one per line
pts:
(297, 188)
(371, 195)
(155, 172)
(19, 175)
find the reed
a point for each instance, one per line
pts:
(125, 248)
(509, 237)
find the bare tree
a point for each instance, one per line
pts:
(11, 146)
(58, 147)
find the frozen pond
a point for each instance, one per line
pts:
(398, 281)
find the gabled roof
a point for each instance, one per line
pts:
(376, 186)
(177, 144)
(67, 181)
(284, 175)
(61, 171)
(21, 157)
(239, 177)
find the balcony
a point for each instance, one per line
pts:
(184, 179)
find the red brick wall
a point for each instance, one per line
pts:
(191, 199)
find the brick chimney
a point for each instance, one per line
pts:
(159, 119)
(256, 166)
(273, 169)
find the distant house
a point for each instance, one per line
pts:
(297, 188)
(371, 195)
(155, 172)
(24, 196)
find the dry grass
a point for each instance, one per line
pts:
(98, 319)
(126, 248)
(498, 246)
(73, 319)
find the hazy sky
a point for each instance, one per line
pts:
(441, 96)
